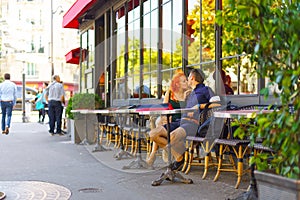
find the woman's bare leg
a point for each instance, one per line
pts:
(159, 136)
(152, 155)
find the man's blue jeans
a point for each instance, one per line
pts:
(6, 107)
(54, 113)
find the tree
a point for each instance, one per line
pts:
(268, 30)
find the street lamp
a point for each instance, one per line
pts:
(24, 118)
(51, 42)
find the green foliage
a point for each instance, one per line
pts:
(83, 101)
(69, 114)
(268, 30)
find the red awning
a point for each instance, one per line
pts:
(131, 5)
(70, 19)
(73, 56)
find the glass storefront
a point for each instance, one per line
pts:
(159, 37)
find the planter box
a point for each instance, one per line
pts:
(85, 128)
(71, 129)
(275, 187)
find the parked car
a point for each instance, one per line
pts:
(29, 97)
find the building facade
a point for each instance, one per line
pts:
(130, 49)
(26, 42)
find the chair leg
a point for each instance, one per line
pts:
(186, 156)
(132, 142)
(107, 135)
(103, 133)
(119, 137)
(116, 131)
(220, 162)
(125, 140)
(191, 156)
(239, 166)
(137, 138)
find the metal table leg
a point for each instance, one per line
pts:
(139, 162)
(169, 174)
(251, 192)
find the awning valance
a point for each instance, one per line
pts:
(73, 56)
(70, 19)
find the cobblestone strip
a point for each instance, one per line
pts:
(34, 190)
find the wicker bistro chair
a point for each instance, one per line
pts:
(141, 136)
(101, 125)
(127, 129)
(131, 134)
(204, 139)
(237, 150)
(112, 132)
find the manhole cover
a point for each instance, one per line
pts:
(90, 190)
(2, 195)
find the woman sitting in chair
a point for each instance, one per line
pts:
(176, 97)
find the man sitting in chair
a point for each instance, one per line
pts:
(189, 122)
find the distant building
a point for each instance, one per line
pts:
(25, 33)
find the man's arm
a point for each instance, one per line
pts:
(15, 95)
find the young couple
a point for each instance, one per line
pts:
(183, 93)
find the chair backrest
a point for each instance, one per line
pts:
(254, 107)
(214, 126)
(205, 118)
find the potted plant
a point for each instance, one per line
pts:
(87, 101)
(268, 31)
(75, 121)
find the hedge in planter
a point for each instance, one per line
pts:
(83, 101)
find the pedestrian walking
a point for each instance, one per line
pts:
(44, 101)
(8, 97)
(55, 95)
(40, 106)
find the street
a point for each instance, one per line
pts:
(34, 163)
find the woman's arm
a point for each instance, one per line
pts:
(167, 97)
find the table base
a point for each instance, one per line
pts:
(122, 154)
(84, 142)
(139, 163)
(250, 194)
(99, 147)
(173, 176)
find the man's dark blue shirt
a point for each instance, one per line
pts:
(201, 94)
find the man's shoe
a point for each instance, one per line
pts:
(51, 133)
(3, 132)
(176, 165)
(61, 134)
(6, 130)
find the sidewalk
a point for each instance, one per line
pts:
(33, 162)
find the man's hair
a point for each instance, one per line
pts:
(54, 77)
(198, 75)
(6, 76)
(46, 83)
